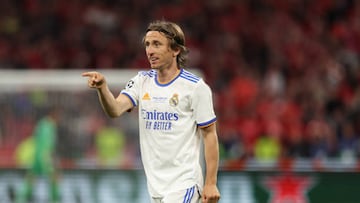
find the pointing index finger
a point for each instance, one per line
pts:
(88, 74)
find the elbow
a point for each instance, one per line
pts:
(113, 114)
(116, 112)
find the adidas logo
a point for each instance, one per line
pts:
(146, 96)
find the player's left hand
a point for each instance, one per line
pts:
(210, 194)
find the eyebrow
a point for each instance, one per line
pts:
(152, 41)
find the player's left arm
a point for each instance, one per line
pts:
(211, 149)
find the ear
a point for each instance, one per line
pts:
(176, 52)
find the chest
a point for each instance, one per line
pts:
(174, 97)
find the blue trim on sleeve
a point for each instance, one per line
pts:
(132, 100)
(207, 123)
(189, 76)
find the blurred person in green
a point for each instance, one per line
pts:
(109, 143)
(267, 147)
(43, 160)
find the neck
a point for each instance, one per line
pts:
(166, 75)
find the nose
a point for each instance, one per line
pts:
(149, 50)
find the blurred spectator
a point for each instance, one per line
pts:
(349, 145)
(267, 148)
(321, 139)
(110, 142)
(231, 143)
(294, 144)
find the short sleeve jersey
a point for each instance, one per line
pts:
(169, 117)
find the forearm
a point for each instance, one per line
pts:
(113, 107)
(108, 102)
(211, 150)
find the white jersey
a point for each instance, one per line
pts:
(169, 117)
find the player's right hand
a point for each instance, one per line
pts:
(95, 79)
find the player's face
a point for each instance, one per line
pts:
(158, 51)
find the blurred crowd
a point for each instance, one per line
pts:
(284, 73)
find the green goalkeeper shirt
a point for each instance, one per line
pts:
(44, 139)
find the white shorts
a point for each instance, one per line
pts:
(190, 195)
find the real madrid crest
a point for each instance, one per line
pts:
(174, 100)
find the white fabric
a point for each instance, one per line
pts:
(190, 195)
(169, 116)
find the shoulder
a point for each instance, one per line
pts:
(142, 76)
(190, 77)
(194, 83)
(148, 73)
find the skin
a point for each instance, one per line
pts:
(162, 58)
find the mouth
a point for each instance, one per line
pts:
(153, 60)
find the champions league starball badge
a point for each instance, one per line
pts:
(174, 100)
(130, 84)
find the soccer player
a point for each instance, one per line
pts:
(175, 109)
(44, 136)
